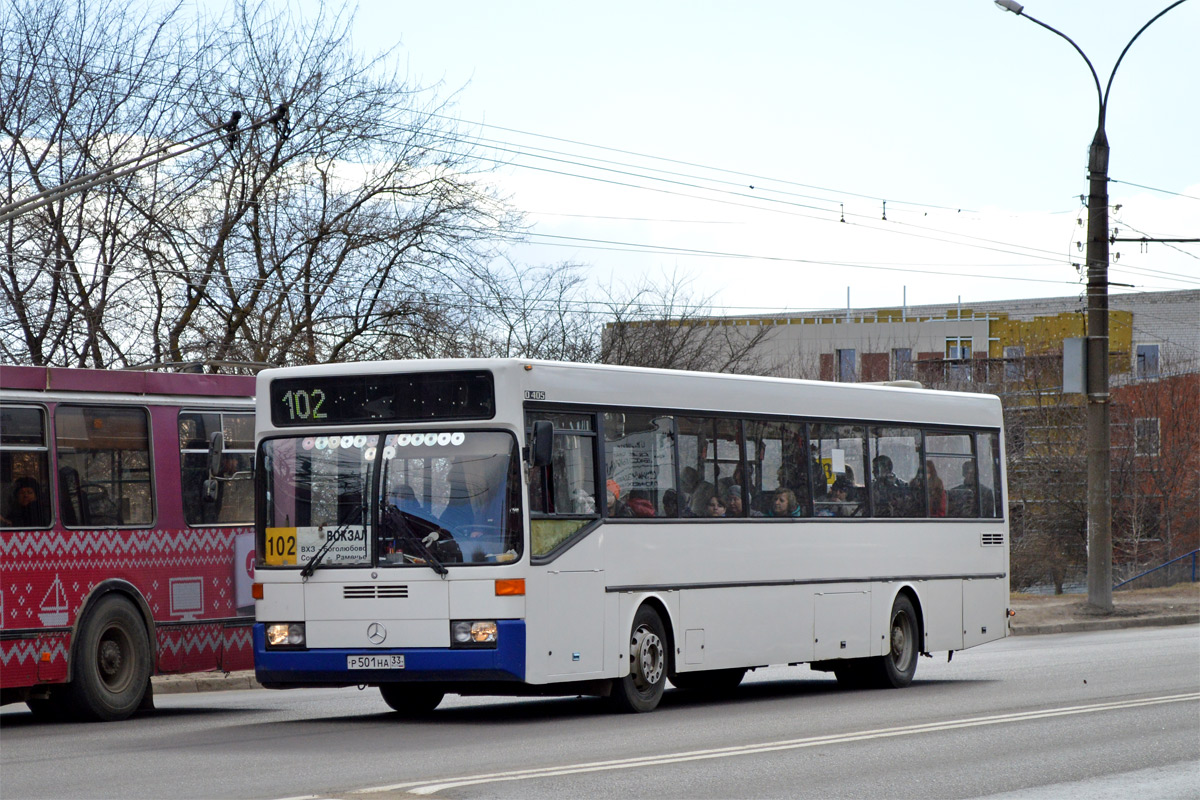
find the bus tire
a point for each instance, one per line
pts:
(410, 699)
(710, 681)
(896, 668)
(112, 662)
(642, 689)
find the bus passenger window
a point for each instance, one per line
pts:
(639, 453)
(840, 453)
(897, 480)
(952, 459)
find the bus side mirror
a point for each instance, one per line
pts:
(542, 446)
(216, 447)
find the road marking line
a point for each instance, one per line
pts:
(430, 787)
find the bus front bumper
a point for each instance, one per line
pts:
(278, 669)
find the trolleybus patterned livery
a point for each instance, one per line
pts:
(126, 539)
(525, 527)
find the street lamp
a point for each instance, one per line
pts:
(1099, 501)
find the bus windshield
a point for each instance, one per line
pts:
(445, 497)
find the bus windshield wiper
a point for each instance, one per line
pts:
(311, 566)
(396, 518)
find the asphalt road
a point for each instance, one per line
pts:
(1096, 715)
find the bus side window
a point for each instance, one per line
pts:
(562, 495)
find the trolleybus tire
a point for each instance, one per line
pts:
(112, 662)
(410, 699)
(895, 668)
(642, 688)
(710, 681)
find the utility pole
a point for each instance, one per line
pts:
(1099, 486)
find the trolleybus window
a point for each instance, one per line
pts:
(104, 466)
(24, 468)
(234, 501)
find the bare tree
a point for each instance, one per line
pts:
(663, 325)
(353, 227)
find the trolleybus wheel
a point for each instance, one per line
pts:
(642, 688)
(112, 662)
(410, 699)
(711, 681)
(895, 669)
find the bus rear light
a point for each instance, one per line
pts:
(285, 634)
(256, 591)
(510, 586)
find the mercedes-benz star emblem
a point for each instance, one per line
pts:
(376, 633)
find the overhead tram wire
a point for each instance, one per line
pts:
(463, 139)
(1152, 189)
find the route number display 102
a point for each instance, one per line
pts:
(304, 405)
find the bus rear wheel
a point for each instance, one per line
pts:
(112, 662)
(896, 668)
(410, 699)
(642, 689)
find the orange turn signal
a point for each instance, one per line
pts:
(45, 656)
(256, 591)
(510, 586)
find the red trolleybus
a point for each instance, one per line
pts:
(126, 538)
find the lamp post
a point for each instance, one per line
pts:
(1099, 500)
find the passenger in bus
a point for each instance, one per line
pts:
(836, 502)
(735, 506)
(670, 503)
(786, 505)
(963, 499)
(640, 504)
(698, 506)
(25, 505)
(891, 493)
(616, 508)
(937, 489)
(715, 507)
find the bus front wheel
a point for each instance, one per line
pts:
(410, 700)
(642, 689)
(112, 662)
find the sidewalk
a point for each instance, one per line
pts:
(1035, 614)
(1069, 613)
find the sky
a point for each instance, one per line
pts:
(722, 145)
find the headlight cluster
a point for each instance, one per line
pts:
(472, 633)
(285, 634)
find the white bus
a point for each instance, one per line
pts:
(528, 527)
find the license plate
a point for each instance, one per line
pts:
(374, 662)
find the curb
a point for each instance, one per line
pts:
(204, 682)
(1078, 626)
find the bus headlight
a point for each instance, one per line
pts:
(473, 633)
(285, 634)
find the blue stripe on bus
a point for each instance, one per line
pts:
(328, 666)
